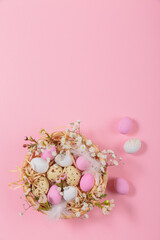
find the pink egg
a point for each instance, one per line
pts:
(82, 163)
(125, 125)
(121, 186)
(87, 182)
(47, 154)
(53, 195)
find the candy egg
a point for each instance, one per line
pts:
(53, 172)
(53, 195)
(40, 186)
(125, 125)
(82, 163)
(132, 145)
(39, 165)
(70, 193)
(64, 160)
(121, 186)
(49, 153)
(87, 182)
(73, 175)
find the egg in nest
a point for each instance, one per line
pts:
(73, 175)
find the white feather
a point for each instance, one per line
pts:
(93, 165)
(57, 210)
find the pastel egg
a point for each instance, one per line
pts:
(82, 163)
(121, 186)
(53, 195)
(53, 172)
(39, 165)
(125, 125)
(87, 182)
(132, 145)
(40, 186)
(64, 160)
(48, 153)
(70, 193)
(73, 175)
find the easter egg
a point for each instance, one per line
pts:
(53, 172)
(121, 186)
(53, 195)
(64, 160)
(70, 193)
(132, 145)
(73, 175)
(39, 165)
(40, 186)
(87, 182)
(125, 125)
(82, 163)
(48, 153)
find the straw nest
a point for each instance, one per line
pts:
(32, 175)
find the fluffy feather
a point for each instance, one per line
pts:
(93, 166)
(57, 210)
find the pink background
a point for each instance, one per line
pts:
(94, 60)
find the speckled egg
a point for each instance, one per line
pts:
(49, 153)
(73, 175)
(53, 195)
(132, 145)
(82, 163)
(70, 193)
(125, 125)
(40, 186)
(64, 160)
(39, 165)
(87, 182)
(121, 186)
(53, 172)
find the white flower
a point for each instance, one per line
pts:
(104, 151)
(115, 162)
(77, 200)
(48, 159)
(90, 206)
(59, 189)
(104, 156)
(43, 131)
(105, 211)
(102, 169)
(74, 128)
(89, 142)
(86, 215)
(93, 154)
(85, 204)
(84, 195)
(92, 149)
(113, 155)
(83, 208)
(78, 214)
(21, 214)
(71, 134)
(83, 148)
(99, 155)
(79, 139)
(78, 121)
(110, 151)
(63, 140)
(54, 153)
(103, 162)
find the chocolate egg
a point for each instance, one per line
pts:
(53, 195)
(121, 186)
(73, 175)
(40, 186)
(70, 193)
(53, 172)
(125, 125)
(87, 182)
(39, 165)
(132, 145)
(82, 163)
(64, 160)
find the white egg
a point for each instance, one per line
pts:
(63, 160)
(39, 165)
(70, 193)
(132, 145)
